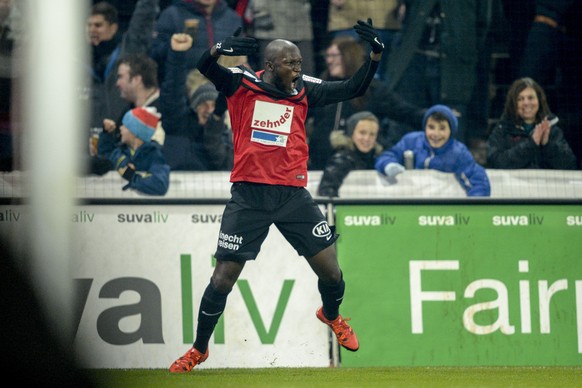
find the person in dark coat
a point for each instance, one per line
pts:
(435, 61)
(197, 137)
(108, 45)
(551, 56)
(207, 22)
(525, 136)
(356, 149)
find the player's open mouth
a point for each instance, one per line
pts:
(294, 81)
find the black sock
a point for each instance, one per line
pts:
(332, 296)
(211, 308)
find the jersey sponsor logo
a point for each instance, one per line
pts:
(272, 117)
(269, 138)
(322, 230)
(311, 79)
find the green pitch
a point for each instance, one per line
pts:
(345, 377)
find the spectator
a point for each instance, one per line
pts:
(198, 138)
(552, 57)
(244, 9)
(357, 149)
(138, 159)
(213, 20)
(125, 10)
(108, 45)
(277, 19)
(490, 25)
(519, 15)
(434, 63)
(524, 137)
(437, 149)
(138, 84)
(343, 57)
(319, 20)
(195, 79)
(342, 14)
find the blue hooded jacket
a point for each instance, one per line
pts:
(453, 157)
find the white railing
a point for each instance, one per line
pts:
(361, 185)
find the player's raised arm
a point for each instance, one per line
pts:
(367, 32)
(235, 45)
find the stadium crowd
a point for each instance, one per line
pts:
(438, 52)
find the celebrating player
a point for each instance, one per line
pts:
(268, 110)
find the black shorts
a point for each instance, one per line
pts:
(254, 207)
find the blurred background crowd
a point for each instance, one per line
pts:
(490, 61)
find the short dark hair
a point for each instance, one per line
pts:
(141, 64)
(438, 116)
(108, 11)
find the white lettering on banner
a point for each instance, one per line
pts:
(451, 220)
(155, 217)
(574, 220)
(501, 304)
(362, 220)
(375, 220)
(524, 301)
(502, 322)
(416, 293)
(273, 117)
(206, 218)
(523, 220)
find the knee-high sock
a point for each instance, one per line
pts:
(211, 308)
(332, 296)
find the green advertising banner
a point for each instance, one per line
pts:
(467, 285)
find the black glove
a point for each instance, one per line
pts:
(128, 173)
(220, 105)
(235, 45)
(367, 32)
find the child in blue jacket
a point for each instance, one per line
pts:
(138, 158)
(437, 149)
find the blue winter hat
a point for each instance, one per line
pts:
(142, 122)
(445, 111)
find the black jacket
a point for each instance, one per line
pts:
(346, 158)
(511, 147)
